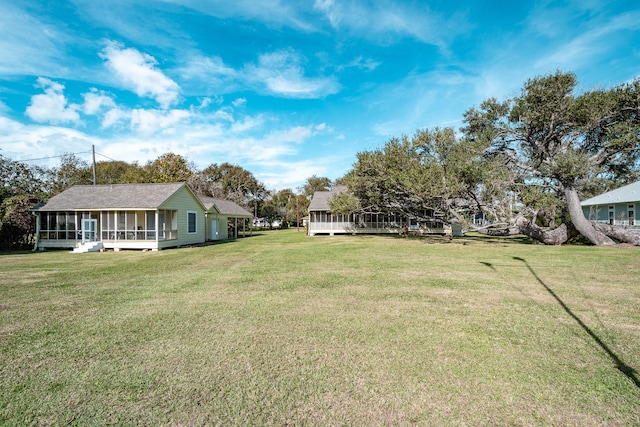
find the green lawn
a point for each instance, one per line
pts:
(281, 329)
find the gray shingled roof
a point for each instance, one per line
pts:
(225, 207)
(116, 196)
(627, 194)
(320, 200)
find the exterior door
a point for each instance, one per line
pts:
(89, 230)
(214, 229)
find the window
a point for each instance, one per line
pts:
(612, 215)
(60, 225)
(191, 222)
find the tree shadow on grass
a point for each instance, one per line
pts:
(627, 370)
(483, 238)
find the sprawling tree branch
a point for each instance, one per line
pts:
(566, 140)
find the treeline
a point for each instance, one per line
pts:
(522, 163)
(24, 186)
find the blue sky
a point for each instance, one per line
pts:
(285, 89)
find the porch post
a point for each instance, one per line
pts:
(35, 247)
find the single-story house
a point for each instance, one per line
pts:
(224, 218)
(322, 221)
(616, 207)
(123, 216)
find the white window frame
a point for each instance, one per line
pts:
(612, 215)
(195, 222)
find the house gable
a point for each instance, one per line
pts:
(321, 199)
(225, 207)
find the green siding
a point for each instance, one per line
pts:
(600, 213)
(182, 201)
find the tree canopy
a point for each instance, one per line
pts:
(230, 182)
(564, 143)
(431, 171)
(524, 162)
(315, 183)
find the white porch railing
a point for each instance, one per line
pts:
(352, 225)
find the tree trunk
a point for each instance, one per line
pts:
(582, 224)
(522, 225)
(618, 233)
(557, 236)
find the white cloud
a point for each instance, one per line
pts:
(9, 127)
(278, 73)
(20, 142)
(588, 44)
(114, 116)
(52, 106)
(239, 102)
(384, 19)
(225, 114)
(201, 67)
(363, 63)
(297, 135)
(153, 121)
(275, 13)
(202, 138)
(205, 103)
(248, 123)
(282, 74)
(279, 175)
(137, 72)
(95, 101)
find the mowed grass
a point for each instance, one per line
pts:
(282, 329)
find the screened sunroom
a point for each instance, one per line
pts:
(125, 216)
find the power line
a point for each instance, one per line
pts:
(107, 157)
(62, 155)
(51, 157)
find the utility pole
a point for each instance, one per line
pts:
(299, 188)
(93, 151)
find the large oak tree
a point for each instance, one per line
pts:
(562, 142)
(431, 172)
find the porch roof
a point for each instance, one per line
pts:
(115, 196)
(627, 194)
(225, 207)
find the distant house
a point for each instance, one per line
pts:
(616, 207)
(261, 222)
(125, 216)
(323, 221)
(225, 219)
